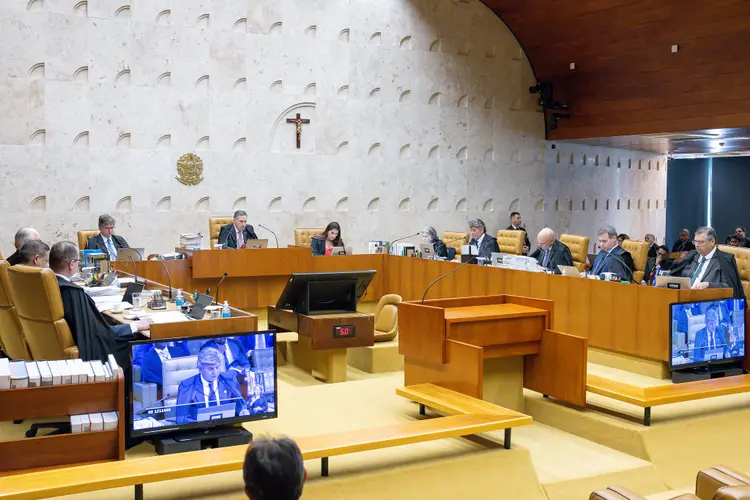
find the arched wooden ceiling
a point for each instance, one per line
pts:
(627, 80)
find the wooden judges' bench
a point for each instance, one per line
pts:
(626, 319)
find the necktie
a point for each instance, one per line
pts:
(545, 261)
(239, 239)
(211, 395)
(112, 252)
(697, 271)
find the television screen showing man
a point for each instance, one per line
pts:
(708, 331)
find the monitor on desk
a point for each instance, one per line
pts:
(168, 396)
(131, 254)
(254, 244)
(325, 293)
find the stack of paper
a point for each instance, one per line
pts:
(191, 240)
(102, 291)
(4, 373)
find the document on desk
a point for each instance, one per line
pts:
(109, 301)
(167, 317)
(100, 291)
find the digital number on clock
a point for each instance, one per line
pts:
(343, 332)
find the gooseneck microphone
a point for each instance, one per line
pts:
(135, 269)
(169, 276)
(618, 259)
(219, 286)
(473, 258)
(274, 234)
(390, 245)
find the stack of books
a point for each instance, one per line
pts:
(191, 240)
(23, 374)
(93, 422)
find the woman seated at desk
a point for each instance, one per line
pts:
(324, 243)
(429, 235)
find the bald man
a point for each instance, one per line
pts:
(551, 252)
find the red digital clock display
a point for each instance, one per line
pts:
(343, 332)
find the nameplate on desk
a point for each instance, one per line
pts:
(674, 286)
(344, 331)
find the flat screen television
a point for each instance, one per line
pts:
(324, 293)
(202, 382)
(706, 333)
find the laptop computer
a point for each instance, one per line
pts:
(571, 271)
(254, 244)
(665, 281)
(341, 251)
(199, 308)
(131, 253)
(427, 251)
(130, 290)
(224, 410)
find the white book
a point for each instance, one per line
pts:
(73, 369)
(113, 364)
(107, 371)
(4, 373)
(62, 365)
(75, 424)
(56, 375)
(97, 422)
(110, 420)
(19, 378)
(85, 423)
(89, 371)
(82, 372)
(44, 372)
(35, 380)
(98, 369)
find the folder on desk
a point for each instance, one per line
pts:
(44, 372)
(4, 373)
(33, 370)
(19, 378)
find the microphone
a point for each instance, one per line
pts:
(135, 269)
(445, 244)
(146, 408)
(473, 257)
(169, 276)
(274, 234)
(390, 245)
(218, 287)
(618, 259)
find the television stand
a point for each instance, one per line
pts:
(216, 437)
(707, 372)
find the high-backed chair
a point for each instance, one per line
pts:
(511, 241)
(639, 251)
(40, 310)
(386, 317)
(742, 256)
(303, 236)
(456, 239)
(174, 371)
(720, 479)
(12, 340)
(579, 246)
(214, 226)
(84, 235)
(619, 493)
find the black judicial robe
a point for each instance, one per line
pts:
(95, 338)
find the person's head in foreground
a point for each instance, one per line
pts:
(274, 470)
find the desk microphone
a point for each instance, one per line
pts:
(135, 269)
(152, 405)
(169, 276)
(473, 257)
(390, 245)
(219, 286)
(274, 234)
(618, 259)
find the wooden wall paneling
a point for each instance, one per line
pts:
(421, 332)
(559, 370)
(602, 322)
(538, 302)
(654, 323)
(362, 262)
(623, 332)
(501, 331)
(462, 372)
(264, 262)
(479, 300)
(205, 327)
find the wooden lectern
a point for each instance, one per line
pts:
(324, 339)
(452, 342)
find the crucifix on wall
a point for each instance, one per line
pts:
(298, 121)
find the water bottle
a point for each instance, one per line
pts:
(195, 295)
(225, 312)
(179, 300)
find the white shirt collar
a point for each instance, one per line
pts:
(613, 249)
(709, 256)
(479, 240)
(63, 277)
(207, 390)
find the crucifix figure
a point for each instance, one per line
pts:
(298, 121)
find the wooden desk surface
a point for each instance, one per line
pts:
(491, 311)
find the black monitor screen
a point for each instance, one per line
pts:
(202, 382)
(707, 332)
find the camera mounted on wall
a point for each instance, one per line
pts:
(553, 110)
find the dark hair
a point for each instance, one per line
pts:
(513, 214)
(731, 237)
(740, 227)
(106, 220)
(62, 254)
(664, 247)
(623, 236)
(273, 470)
(714, 308)
(330, 226)
(31, 249)
(238, 214)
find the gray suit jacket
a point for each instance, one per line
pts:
(722, 271)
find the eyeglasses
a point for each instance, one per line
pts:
(699, 242)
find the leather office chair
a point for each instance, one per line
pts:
(12, 340)
(174, 371)
(579, 246)
(262, 362)
(40, 310)
(214, 226)
(303, 236)
(84, 235)
(695, 323)
(639, 251)
(511, 241)
(619, 493)
(742, 256)
(720, 478)
(386, 317)
(463, 239)
(1, 256)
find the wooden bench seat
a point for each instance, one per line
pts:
(450, 402)
(647, 397)
(136, 472)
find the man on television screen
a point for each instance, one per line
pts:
(710, 337)
(208, 388)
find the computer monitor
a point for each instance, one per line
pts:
(324, 293)
(706, 332)
(204, 382)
